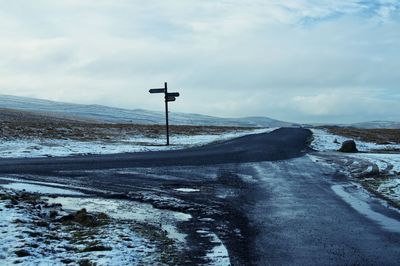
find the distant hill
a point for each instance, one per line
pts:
(100, 113)
(362, 125)
(377, 124)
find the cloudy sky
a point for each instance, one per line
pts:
(296, 60)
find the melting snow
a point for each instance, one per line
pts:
(383, 161)
(386, 163)
(187, 190)
(54, 244)
(358, 200)
(391, 188)
(31, 188)
(128, 210)
(218, 255)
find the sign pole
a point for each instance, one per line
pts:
(166, 110)
(168, 97)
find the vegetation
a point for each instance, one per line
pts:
(379, 135)
(19, 124)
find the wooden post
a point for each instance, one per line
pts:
(166, 110)
(168, 97)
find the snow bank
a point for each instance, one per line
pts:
(358, 199)
(391, 188)
(385, 162)
(388, 164)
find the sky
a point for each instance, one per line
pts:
(295, 60)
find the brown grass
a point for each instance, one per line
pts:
(20, 124)
(379, 136)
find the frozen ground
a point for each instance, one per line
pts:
(27, 148)
(383, 171)
(389, 163)
(325, 141)
(33, 232)
(30, 235)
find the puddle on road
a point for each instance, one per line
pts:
(360, 204)
(128, 210)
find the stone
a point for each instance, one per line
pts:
(349, 146)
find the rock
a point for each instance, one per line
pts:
(349, 146)
(42, 224)
(86, 262)
(83, 218)
(96, 248)
(67, 261)
(22, 253)
(53, 214)
(18, 221)
(102, 216)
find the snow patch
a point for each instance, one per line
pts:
(18, 231)
(187, 190)
(128, 210)
(40, 189)
(391, 188)
(218, 255)
(325, 141)
(358, 198)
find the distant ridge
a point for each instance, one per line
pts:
(377, 124)
(105, 114)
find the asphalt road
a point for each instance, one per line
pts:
(279, 145)
(269, 202)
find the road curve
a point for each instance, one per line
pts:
(281, 144)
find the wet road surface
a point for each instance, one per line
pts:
(263, 195)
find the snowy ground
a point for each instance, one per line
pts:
(33, 229)
(32, 233)
(325, 141)
(24, 148)
(385, 167)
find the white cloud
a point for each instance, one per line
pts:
(287, 59)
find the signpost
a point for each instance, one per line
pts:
(168, 97)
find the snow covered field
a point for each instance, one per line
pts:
(386, 165)
(325, 141)
(27, 148)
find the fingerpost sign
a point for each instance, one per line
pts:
(168, 97)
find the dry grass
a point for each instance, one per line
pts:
(379, 136)
(20, 124)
